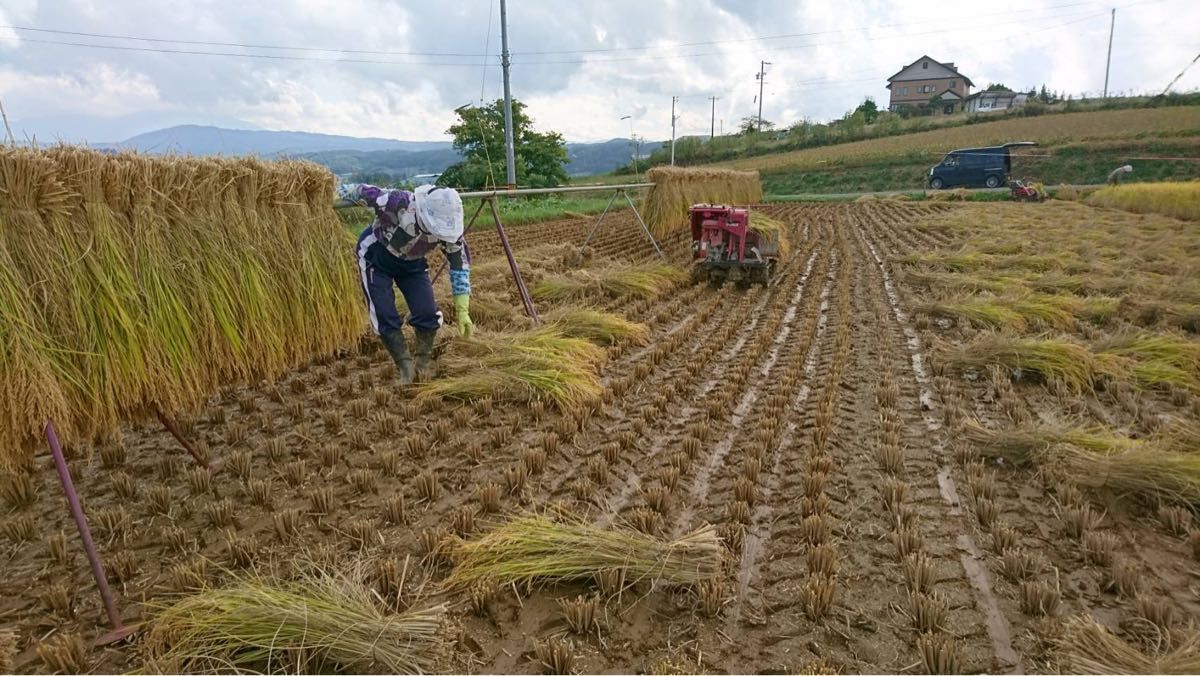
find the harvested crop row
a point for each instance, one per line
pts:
(1028, 572)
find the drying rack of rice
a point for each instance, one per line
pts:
(675, 189)
(132, 282)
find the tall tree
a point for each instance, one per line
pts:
(749, 125)
(868, 109)
(479, 135)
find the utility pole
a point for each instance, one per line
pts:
(713, 123)
(12, 139)
(509, 153)
(673, 100)
(1111, 25)
(632, 141)
(762, 72)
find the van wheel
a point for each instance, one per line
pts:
(992, 182)
(937, 184)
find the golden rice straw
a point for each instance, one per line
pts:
(132, 282)
(676, 189)
(1088, 647)
(318, 621)
(536, 548)
(772, 230)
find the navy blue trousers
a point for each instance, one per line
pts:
(381, 274)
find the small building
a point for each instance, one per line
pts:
(927, 81)
(986, 102)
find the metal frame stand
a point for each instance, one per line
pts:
(518, 280)
(596, 225)
(119, 630)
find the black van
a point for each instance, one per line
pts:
(974, 167)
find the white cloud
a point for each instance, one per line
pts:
(836, 54)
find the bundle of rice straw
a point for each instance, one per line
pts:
(536, 548)
(540, 364)
(321, 621)
(601, 328)
(773, 230)
(676, 189)
(1099, 458)
(1088, 647)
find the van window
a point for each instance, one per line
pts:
(950, 161)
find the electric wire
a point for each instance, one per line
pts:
(375, 52)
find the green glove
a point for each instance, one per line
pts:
(462, 314)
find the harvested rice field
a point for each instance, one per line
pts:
(949, 438)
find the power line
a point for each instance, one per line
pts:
(785, 36)
(243, 45)
(774, 49)
(1025, 18)
(271, 57)
(1185, 69)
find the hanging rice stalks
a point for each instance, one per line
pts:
(675, 190)
(541, 364)
(536, 549)
(613, 281)
(1088, 647)
(321, 621)
(131, 282)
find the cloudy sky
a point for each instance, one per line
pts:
(103, 70)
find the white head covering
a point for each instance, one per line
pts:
(440, 212)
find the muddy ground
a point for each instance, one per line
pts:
(804, 419)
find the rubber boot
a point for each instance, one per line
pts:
(398, 349)
(423, 354)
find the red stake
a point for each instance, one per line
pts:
(119, 630)
(212, 467)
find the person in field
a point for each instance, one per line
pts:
(391, 253)
(1114, 177)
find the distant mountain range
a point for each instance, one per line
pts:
(364, 158)
(192, 139)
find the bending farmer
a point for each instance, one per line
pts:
(391, 253)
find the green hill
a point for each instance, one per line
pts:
(1160, 143)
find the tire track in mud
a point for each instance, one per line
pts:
(701, 482)
(998, 628)
(755, 539)
(689, 412)
(573, 456)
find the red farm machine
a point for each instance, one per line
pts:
(726, 246)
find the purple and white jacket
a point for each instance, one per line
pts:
(395, 227)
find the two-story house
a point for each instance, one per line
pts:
(918, 83)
